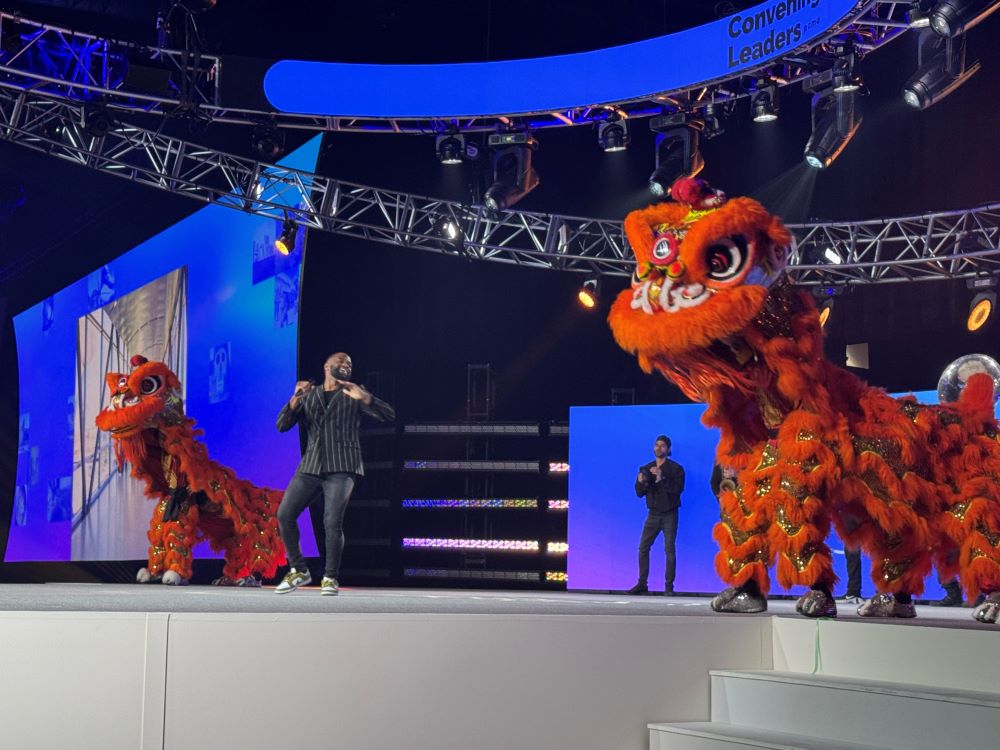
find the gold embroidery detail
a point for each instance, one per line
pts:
(893, 569)
(801, 561)
(959, 509)
(787, 526)
(992, 538)
(769, 457)
(735, 566)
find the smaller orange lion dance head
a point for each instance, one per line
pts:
(704, 268)
(140, 401)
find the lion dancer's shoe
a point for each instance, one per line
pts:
(888, 605)
(817, 602)
(744, 599)
(989, 610)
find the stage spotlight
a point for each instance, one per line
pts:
(713, 121)
(845, 80)
(832, 256)
(985, 299)
(918, 16)
(286, 240)
(97, 119)
(949, 18)
(588, 294)
(825, 310)
(980, 310)
(764, 102)
(835, 120)
(267, 141)
(452, 148)
(449, 229)
(513, 175)
(53, 130)
(612, 135)
(677, 153)
(941, 69)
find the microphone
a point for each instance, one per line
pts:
(299, 392)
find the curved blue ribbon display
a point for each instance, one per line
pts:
(715, 50)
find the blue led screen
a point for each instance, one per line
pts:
(211, 298)
(607, 446)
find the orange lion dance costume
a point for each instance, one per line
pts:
(197, 498)
(810, 443)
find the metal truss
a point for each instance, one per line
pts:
(955, 244)
(67, 64)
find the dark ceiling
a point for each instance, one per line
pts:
(61, 221)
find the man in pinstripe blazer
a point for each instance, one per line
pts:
(330, 416)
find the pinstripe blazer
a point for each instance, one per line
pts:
(332, 440)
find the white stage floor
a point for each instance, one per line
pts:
(91, 597)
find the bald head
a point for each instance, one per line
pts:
(337, 367)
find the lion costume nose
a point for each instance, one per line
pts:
(675, 270)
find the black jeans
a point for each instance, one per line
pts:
(853, 557)
(301, 490)
(655, 523)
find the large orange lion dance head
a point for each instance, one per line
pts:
(705, 266)
(141, 400)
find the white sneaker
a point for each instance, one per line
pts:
(292, 581)
(329, 587)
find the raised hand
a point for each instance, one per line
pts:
(356, 392)
(301, 389)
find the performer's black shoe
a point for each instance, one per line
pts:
(850, 598)
(952, 596)
(639, 588)
(669, 592)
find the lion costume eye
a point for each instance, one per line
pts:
(662, 250)
(725, 258)
(150, 384)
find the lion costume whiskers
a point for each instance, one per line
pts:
(811, 444)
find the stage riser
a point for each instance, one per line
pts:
(861, 713)
(421, 682)
(665, 740)
(709, 736)
(963, 659)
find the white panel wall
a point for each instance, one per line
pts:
(80, 679)
(446, 681)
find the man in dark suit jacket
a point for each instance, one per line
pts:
(330, 416)
(661, 482)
